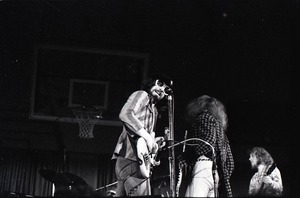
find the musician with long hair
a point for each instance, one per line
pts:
(139, 117)
(267, 180)
(211, 162)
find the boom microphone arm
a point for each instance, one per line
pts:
(213, 158)
(190, 139)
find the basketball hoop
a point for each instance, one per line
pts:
(87, 118)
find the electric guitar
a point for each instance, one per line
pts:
(147, 159)
(261, 190)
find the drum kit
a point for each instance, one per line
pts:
(70, 185)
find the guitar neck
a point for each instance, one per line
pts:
(268, 172)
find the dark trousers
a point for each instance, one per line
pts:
(130, 182)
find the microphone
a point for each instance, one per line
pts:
(168, 91)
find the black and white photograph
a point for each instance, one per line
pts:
(149, 98)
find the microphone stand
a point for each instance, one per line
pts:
(171, 145)
(213, 158)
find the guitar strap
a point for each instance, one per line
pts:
(132, 139)
(269, 169)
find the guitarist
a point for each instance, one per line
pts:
(267, 180)
(139, 117)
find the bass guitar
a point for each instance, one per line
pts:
(148, 159)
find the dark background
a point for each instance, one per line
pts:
(244, 53)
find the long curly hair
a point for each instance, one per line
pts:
(206, 103)
(262, 155)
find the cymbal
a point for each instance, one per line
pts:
(47, 174)
(62, 178)
(65, 178)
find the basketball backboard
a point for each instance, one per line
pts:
(65, 77)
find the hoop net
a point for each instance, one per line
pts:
(87, 118)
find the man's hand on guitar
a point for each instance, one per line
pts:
(149, 138)
(157, 145)
(156, 163)
(152, 146)
(160, 142)
(267, 180)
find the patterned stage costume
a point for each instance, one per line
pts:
(208, 121)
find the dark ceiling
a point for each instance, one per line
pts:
(240, 48)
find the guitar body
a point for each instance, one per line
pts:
(148, 159)
(145, 157)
